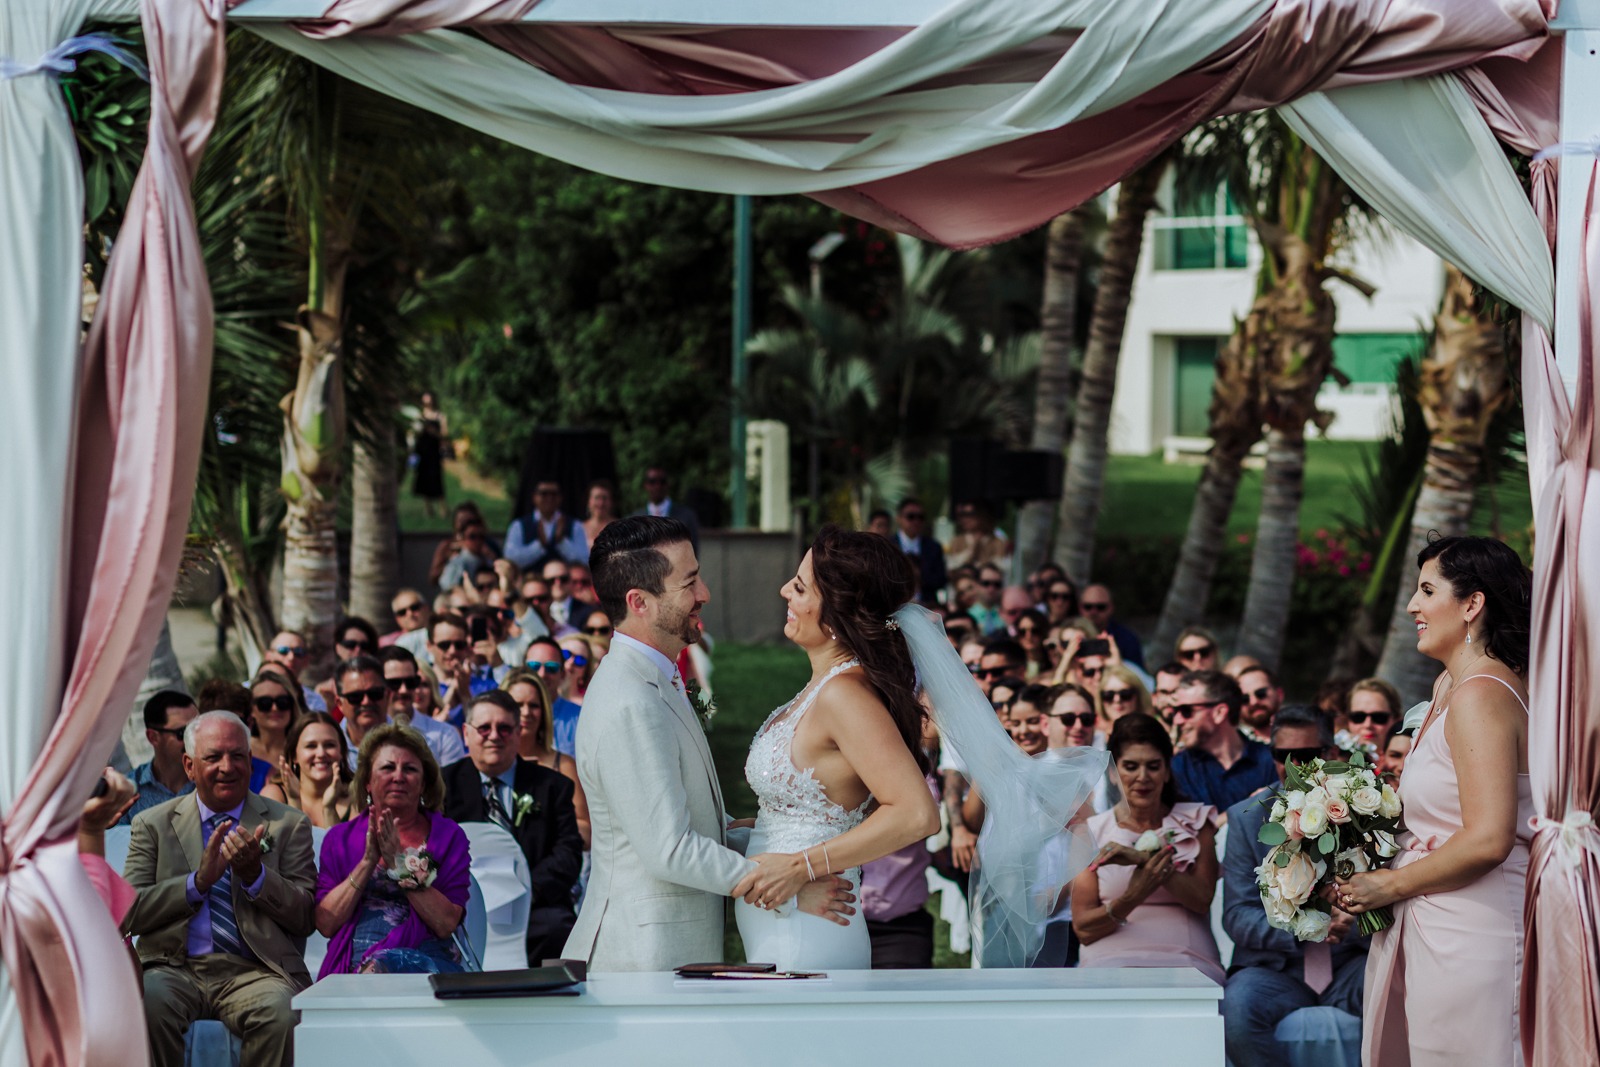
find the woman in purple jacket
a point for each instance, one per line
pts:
(393, 883)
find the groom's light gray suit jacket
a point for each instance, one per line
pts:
(661, 867)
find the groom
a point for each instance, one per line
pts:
(661, 856)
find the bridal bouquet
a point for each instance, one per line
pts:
(1332, 819)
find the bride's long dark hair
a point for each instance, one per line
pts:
(863, 579)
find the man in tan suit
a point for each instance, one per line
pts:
(224, 880)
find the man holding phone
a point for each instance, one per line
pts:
(465, 657)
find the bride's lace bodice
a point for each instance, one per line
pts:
(795, 812)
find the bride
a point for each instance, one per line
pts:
(839, 770)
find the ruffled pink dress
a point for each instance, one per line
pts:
(1442, 981)
(1161, 932)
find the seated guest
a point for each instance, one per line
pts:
(219, 694)
(403, 677)
(290, 651)
(1136, 908)
(315, 776)
(1274, 974)
(530, 802)
(163, 778)
(1371, 707)
(473, 557)
(1167, 678)
(1196, 649)
(1263, 696)
(411, 615)
(221, 938)
(1396, 747)
(1218, 765)
(379, 910)
(1030, 629)
(546, 661)
(100, 814)
(1122, 693)
(985, 611)
(275, 706)
(538, 745)
(1100, 609)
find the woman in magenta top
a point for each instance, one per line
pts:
(1146, 900)
(375, 921)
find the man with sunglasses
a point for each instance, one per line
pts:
(163, 778)
(1272, 973)
(566, 609)
(363, 699)
(658, 497)
(991, 583)
(463, 670)
(1263, 696)
(546, 660)
(1098, 607)
(1218, 765)
(533, 610)
(402, 678)
(412, 613)
(923, 550)
(289, 649)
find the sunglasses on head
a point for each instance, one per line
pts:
(360, 643)
(452, 646)
(1197, 652)
(409, 609)
(289, 650)
(1298, 755)
(1081, 718)
(374, 695)
(1117, 696)
(1379, 718)
(543, 666)
(283, 703)
(574, 658)
(404, 685)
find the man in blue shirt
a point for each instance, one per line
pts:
(544, 659)
(162, 778)
(1218, 765)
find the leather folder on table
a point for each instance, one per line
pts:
(530, 982)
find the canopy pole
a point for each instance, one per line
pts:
(738, 486)
(1580, 122)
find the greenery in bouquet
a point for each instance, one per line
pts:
(1331, 819)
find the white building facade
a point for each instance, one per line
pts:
(1197, 274)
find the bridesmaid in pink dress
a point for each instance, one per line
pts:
(1135, 908)
(1442, 981)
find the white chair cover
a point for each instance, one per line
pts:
(500, 870)
(117, 839)
(1224, 942)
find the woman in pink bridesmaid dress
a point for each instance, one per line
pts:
(1442, 981)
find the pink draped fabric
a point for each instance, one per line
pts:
(142, 397)
(1298, 47)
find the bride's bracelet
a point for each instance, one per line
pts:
(811, 875)
(826, 862)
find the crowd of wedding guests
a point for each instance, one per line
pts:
(464, 710)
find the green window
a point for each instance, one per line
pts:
(1370, 358)
(1195, 368)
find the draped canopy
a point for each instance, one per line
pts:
(977, 122)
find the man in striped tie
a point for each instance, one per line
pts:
(224, 880)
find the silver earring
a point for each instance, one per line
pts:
(1469, 637)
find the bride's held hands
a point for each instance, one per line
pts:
(742, 824)
(778, 877)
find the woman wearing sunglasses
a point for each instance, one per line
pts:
(1121, 693)
(1373, 704)
(275, 706)
(1031, 630)
(578, 662)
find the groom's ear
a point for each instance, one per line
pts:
(638, 603)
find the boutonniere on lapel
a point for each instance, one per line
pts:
(266, 842)
(705, 708)
(525, 805)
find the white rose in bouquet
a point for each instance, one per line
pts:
(1318, 796)
(1295, 799)
(1279, 810)
(1280, 912)
(1336, 785)
(1297, 879)
(1313, 819)
(1312, 924)
(1389, 806)
(1385, 844)
(1366, 800)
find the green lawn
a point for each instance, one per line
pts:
(751, 680)
(1145, 497)
(491, 499)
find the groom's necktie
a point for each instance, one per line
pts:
(496, 808)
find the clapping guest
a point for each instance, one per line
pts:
(1148, 907)
(532, 803)
(393, 885)
(315, 776)
(538, 737)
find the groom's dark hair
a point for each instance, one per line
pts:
(627, 555)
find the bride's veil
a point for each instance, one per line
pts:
(1026, 856)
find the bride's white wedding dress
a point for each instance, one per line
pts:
(796, 814)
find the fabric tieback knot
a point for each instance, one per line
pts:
(1577, 834)
(61, 59)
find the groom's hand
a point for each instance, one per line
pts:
(777, 878)
(830, 898)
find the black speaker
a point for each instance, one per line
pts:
(573, 458)
(981, 469)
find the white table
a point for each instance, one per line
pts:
(865, 1018)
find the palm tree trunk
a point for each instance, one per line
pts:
(1463, 385)
(1202, 548)
(164, 672)
(1266, 608)
(1086, 458)
(1063, 268)
(374, 525)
